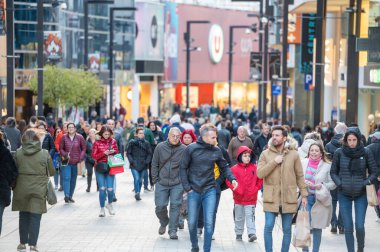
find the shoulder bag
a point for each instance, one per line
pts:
(51, 197)
(370, 189)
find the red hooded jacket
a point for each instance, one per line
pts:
(248, 182)
(100, 146)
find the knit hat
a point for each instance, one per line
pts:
(175, 119)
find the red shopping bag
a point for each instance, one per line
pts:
(116, 170)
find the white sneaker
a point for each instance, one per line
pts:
(102, 212)
(378, 220)
(110, 209)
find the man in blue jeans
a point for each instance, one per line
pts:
(280, 168)
(198, 180)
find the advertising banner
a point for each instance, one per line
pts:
(171, 42)
(308, 36)
(53, 45)
(94, 62)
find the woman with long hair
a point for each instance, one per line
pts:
(316, 168)
(89, 161)
(101, 149)
(352, 169)
(29, 196)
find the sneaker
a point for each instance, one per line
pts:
(33, 248)
(146, 189)
(21, 247)
(199, 231)
(213, 237)
(60, 189)
(152, 188)
(341, 230)
(239, 237)
(137, 196)
(71, 200)
(110, 209)
(162, 230)
(181, 226)
(195, 249)
(88, 189)
(66, 200)
(102, 212)
(114, 199)
(378, 220)
(173, 235)
(252, 237)
(334, 229)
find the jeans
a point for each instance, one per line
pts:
(360, 204)
(200, 215)
(2, 207)
(208, 201)
(336, 221)
(105, 181)
(317, 233)
(137, 179)
(70, 173)
(162, 195)
(29, 227)
(90, 171)
(270, 219)
(247, 213)
(146, 181)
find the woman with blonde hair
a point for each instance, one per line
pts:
(29, 196)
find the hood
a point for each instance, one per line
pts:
(336, 140)
(241, 150)
(31, 147)
(304, 149)
(203, 143)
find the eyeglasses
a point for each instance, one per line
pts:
(175, 136)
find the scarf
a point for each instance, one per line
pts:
(354, 154)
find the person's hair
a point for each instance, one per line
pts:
(282, 129)
(352, 131)
(262, 125)
(21, 126)
(174, 129)
(33, 119)
(41, 123)
(190, 133)
(314, 136)
(30, 135)
(11, 122)
(111, 121)
(55, 131)
(154, 123)
(70, 123)
(206, 128)
(138, 129)
(321, 149)
(41, 118)
(240, 157)
(1, 136)
(104, 129)
(140, 120)
(340, 128)
(92, 131)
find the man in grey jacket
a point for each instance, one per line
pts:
(13, 134)
(165, 174)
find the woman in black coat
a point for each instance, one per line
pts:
(139, 153)
(46, 139)
(353, 168)
(89, 161)
(8, 175)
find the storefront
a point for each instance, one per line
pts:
(208, 59)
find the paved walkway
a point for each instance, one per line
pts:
(77, 227)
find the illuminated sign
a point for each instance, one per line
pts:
(216, 43)
(374, 76)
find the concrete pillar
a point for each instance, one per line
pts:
(136, 98)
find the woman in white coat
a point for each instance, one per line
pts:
(319, 183)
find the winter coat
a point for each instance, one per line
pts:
(13, 136)
(320, 213)
(33, 162)
(333, 145)
(249, 183)
(374, 147)
(353, 183)
(89, 161)
(139, 153)
(8, 174)
(165, 163)
(224, 138)
(100, 146)
(48, 144)
(234, 146)
(281, 181)
(76, 148)
(158, 138)
(197, 166)
(259, 144)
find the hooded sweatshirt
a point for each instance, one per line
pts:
(249, 183)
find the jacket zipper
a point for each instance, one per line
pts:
(171, 154)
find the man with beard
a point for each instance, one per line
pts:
(280, 168)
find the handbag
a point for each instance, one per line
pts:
(372, 195)
(51, 197)
(115, 160)
(65, 160)
(101, 167)
(116, 170)
(301, 234)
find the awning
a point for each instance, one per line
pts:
(310, 6)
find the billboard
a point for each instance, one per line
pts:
(171, 42)
(53, 45)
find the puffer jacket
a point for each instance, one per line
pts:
(333, 145)
(89, 161)
(100, 146)
(48, 144)
(197, 166)
(165, 163)
(8, 174)
(249, 183)
(77, 151)
(139, 153)
(353, 183)
(374, 147)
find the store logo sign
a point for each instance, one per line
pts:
(216, 43)
(154, 32)
(374, 76)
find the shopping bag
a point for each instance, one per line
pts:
(115, 160)
(372, 195)
(116, 170)
(301, 234)
(378, 196)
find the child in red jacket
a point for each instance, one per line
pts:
(245, 195)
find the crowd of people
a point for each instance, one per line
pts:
(188, 162)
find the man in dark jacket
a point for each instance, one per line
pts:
(262, 140)
(374, 147)
(331, 147)
(198, 180)
(175, 121)
(224, 136)
(165, 175)
(13, 134)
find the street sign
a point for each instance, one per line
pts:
(308, 82)
(276, 90)
(370, 44)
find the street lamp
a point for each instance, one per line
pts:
(187, 39)
(110, 50)
(230, 55)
